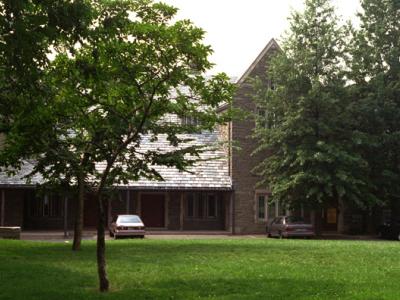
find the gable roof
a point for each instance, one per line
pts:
(211, 173)
(272, 45)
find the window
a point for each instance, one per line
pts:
(261, 118)
(266, 210)
(271, 85)
(261, 207)
(211, 206)
(46, 206)
(265, 119)
(190, 121)
(190, 205)
(201, 205)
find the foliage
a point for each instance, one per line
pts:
(307, 135)
(113, 90)
(29, 30)
(375, 70)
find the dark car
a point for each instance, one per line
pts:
(390, 230)
(290, 226)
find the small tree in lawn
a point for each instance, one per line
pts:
(135, 68)
(375, 69)
(306, 132)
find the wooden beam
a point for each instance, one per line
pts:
(66, 217)
(139, 203)
(166, 212)
(233, 229)
(3, 206)
(128, 200)
(181, 211)
(108, 213)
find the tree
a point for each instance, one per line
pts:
(115, 89)
(307, 134)
(375, 70)
(30, 32)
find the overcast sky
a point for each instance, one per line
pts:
(238, 30)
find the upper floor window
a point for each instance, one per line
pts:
(265, 119)
(271, 85)
(190, 120)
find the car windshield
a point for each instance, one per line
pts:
(294, 220)
(129, 219)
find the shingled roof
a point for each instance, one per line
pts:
(210, 174)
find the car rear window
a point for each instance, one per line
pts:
(129, 219)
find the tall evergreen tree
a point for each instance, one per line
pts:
(375, 69)
(306, 132)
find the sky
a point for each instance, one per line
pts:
(238, 30)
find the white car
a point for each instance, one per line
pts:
(127, 225)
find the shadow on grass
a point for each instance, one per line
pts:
(230, 288)
(159, 269)
(26, 277)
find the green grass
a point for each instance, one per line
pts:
(203, 269)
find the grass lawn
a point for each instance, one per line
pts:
(209, 269)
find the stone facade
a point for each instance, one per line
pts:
(243, 162)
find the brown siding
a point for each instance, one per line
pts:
(14, 207)
(174, 208)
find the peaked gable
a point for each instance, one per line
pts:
(261, 58)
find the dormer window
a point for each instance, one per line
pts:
(190, 121)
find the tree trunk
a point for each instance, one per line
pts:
(78, 227)
(101, 247)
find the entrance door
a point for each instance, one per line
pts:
(90, 212)
(330, 219)
(153, 210)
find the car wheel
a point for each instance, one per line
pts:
(141, 236)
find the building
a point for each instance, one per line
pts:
(221, 194)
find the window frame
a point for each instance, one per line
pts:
(189, 121)
(267, 218)
(48, 206)
(200, 205)
(259, 194)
